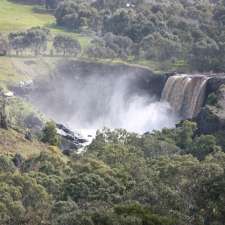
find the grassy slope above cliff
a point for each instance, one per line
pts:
(18, 17)
(13, 70)
(16, 69)
(12, 142)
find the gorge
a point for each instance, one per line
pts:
(87, 96)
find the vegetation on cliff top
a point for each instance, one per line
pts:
(190, 38)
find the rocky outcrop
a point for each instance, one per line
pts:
(212, 117)
(70, 142)
(214, 83)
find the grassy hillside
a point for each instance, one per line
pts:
(18, 17)
(12, 142)
(7, 72)
(16, 69)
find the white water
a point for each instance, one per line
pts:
(86, 104)
(110, 103)
(138, 116)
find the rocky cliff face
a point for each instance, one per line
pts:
(65, 69)
(144, 78)
(212, 117)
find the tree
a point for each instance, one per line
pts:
(3, 46)
(17, 42)
(49, 134)
(145, 214)
(111, 46)
(22, 201)
(74, 15)
(51, 4)
(204, 145)
(119, 23)
(112, 5)
(122, 46)
(158, 47)
(37, 39)
(34, 39)
(203, 54)
(66, 45)
(185, 134)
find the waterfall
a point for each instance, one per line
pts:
(185, 93)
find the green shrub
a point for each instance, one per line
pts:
(49, 134)
(212, 99)
(6, 165)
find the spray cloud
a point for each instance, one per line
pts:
(95, 101)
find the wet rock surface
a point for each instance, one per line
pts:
(70, 141)
(215, 82)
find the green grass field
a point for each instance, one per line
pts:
(15, 17)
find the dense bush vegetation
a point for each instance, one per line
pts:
(66, 45)
(34, 39)
(180, 33)
(172, 177)
(49, 134)
(189, 31)
(37, 40)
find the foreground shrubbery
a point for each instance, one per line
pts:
(122, 179)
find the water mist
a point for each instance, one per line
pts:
(92, 102)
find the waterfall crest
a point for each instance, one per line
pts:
(185, 93)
